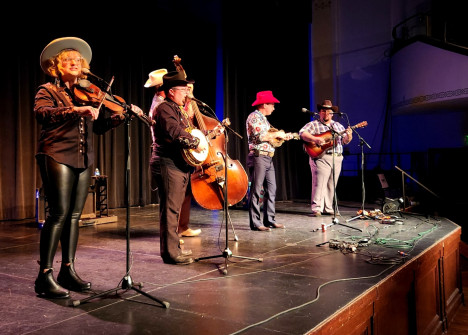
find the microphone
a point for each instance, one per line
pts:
(86, 71)
(191, 97)
(338, 113)
(305, 110)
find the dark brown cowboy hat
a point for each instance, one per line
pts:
(327, 104)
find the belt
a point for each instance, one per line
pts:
(263, 153)
(335, 154)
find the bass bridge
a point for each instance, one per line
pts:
(209, 172)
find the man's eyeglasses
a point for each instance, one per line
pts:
(185, 89)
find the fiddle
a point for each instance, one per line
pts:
(87, 93)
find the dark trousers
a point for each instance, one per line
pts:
(262, 173)
(172, 185)
(184, 217)
(66, 190)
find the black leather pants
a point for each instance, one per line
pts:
(66, 190)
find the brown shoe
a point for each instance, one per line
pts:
(191, 233)
(316, 214)
(277, 225)
(186, 252)
(262, 228)
(179, 260)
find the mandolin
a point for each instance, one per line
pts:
(276, 140)
(317, 151)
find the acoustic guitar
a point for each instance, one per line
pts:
(316, 151)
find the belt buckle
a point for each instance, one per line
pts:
(257, 153)
(336, 154)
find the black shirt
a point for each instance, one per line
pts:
(170, 133)
(66, 136)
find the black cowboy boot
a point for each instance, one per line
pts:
(69, 279)
(47, 286)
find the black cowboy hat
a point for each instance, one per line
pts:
(174, 78)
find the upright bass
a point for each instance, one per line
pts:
(209, 178)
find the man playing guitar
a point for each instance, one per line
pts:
(321, 166)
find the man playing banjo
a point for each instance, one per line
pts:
(172, 172)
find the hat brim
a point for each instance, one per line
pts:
(333, 108)
(265, 101)
(174, 83)
(59, 44)
(155, 78)
(150, 83)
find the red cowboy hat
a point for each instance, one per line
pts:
(265, 97)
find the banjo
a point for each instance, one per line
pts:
(195, 158)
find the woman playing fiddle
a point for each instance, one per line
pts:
(65, 156)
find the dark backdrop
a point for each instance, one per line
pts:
(262, 46)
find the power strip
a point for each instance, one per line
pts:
(342, 245)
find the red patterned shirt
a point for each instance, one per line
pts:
(257, 127)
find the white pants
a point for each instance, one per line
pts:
(322, 181)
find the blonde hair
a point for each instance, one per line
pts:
(53, 64)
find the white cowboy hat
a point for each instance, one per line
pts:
(59, 44)
(155, 78)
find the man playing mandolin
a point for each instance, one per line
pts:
(321, 166)
(262, 144)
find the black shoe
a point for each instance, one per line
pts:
(69, 279)
(46, 285)
(276, 225)
(179, 260)
(261, 228)
(331, 213)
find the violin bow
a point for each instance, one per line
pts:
(106, 92)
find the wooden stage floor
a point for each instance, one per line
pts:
(287, 284)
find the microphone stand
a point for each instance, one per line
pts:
(335, 220)
(227, 252)
(126, 282)
(403, 174)
(199, 102)
(361, 143)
